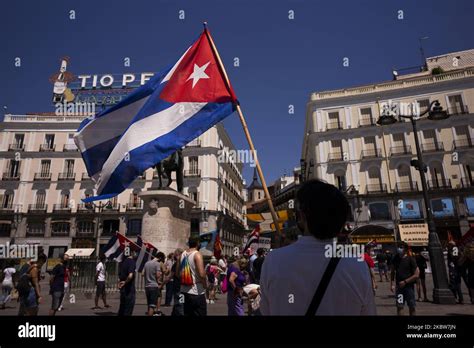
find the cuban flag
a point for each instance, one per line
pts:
(253, 238)
(116, 246)
(147, 250)
(174, 107)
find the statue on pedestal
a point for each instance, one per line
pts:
(172, 163)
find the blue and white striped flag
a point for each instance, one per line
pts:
(173, 108)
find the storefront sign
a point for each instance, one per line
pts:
(414, 234)
(409, 209)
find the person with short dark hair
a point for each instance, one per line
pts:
(420, 282)
(100, 278)
(291, 275)
(126, 286)
(193, 279)
(257, 264)
(57, 284)
(154, 272)
(405, 272)
(381, 258)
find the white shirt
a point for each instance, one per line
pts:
(251, 260)
(223, 266)
(9, 272)
(291, 275)
(101, 269)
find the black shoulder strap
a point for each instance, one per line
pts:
(323, 284)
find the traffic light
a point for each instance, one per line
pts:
(415, 163)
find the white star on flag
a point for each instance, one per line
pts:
(198, 73)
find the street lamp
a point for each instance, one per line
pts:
(441, 292)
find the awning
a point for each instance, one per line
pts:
(266, 221)
(84, 252)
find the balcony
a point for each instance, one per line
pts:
(467, 182)
(59, 233)
(84, 234)
(67, 176)
(16, 147)
(194, 143)
(195, 173)
(376, 188)
(9, 176)
(85, 208)
(458, 110)
(439, 184)
(334, 125)
(61, 208)
(47, 147)
(370, 154)
(400, 150)
(366, 122)
(7, 208)
(134, 206)
(70, 148)
(42, 176)
(37, 208)
(432, 147)
(110, 207)
(35, 233)
(406, 186)
(462, 144)
(85, 176)
(335, 156)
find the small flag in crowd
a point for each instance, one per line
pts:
(147, 250)
(218, 247)
(116, 246)
(173, 108)
(253, 238)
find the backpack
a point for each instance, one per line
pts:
(211, 277)
(24, 283)
(185, 268)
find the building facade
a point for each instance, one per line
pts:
(44, 180)
(344, 146)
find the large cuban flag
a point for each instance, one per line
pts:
(173, 108)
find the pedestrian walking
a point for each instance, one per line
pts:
(421, 282)
(454, 270)
(100, 282)
(154, 279)
(7, 283)
(67, 284)
(381, 258)
(405, 272)
(56, 283)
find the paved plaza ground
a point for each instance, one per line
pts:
(385, 301)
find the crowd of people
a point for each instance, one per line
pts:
(298, 279)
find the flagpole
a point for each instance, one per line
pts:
(247, 135)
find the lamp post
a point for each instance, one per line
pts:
(441, 292)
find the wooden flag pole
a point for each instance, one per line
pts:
(247, 135)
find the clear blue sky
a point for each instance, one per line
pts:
(281, 60)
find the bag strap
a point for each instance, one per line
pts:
(323, 284)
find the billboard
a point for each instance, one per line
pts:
(409, 209)
(442, 207)
(414, 234)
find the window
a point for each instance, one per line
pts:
(55, 252)
(379, 211)
(194, 226)
(7, 200)
(45, 167)
(64, 199)
(456, 105)
(340, 179)
(5, 229)
(19, 141)
(40, 198)
(193, 164)
(110, 226)
(366, 113)
(49, 141)
(13, 168)
(85, 227)
(69, 167)
(60, 228)
(430, 136)
(424, 104)
(134, 227)
(370, 144)
(35, 228)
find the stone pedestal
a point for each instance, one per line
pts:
(166, 220)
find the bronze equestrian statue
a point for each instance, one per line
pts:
(172, 163)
